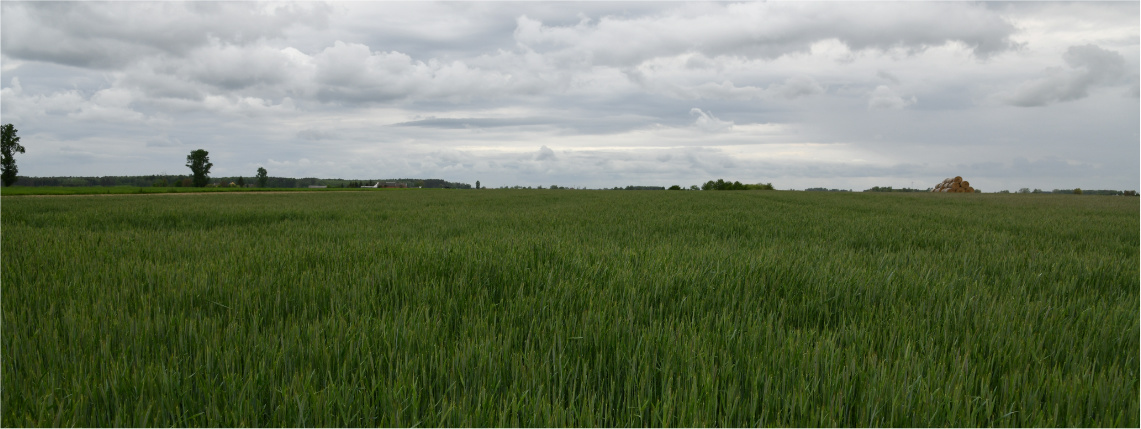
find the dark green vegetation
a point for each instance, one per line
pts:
(890, 189)
(722, 185)
(554, 308)
(9, 146)
(199, 163)
(166, 180)
(113, 190)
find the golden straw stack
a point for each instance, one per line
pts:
(954, 185)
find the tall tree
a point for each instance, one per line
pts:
(199, 163)
(262, 177)
(10, 146)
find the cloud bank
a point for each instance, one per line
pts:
(581, 94)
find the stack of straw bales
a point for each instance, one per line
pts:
(956, 185)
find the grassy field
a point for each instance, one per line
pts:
(118, 190)
(570, 308)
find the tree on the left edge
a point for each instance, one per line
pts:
(9, 147)
(199, 163)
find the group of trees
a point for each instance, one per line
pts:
(722, 185)
(718, 185)
(643, 188)
(199, 163)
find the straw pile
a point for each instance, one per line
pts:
(956, 185)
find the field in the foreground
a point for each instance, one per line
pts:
(579, 308)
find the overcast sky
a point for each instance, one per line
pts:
(591, 94)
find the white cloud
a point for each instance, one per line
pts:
(763, 30)
(705, 121)
(112, 105)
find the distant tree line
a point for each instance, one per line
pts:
(536, 187)
(722, 185)
(827, 190)
(890, 189)
(1078, 191)
(140, 181)
(176, 180)
(641, 188)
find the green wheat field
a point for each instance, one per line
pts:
(569, 308)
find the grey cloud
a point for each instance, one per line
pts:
(706, 161)
(883, 26)
(232, 67)
(615, 117)
(162, 85)
(701, 62)
(718, 86)
(1046, 172)
(315, 135)
(545, 154)
(107, 35)
(724, 90)
(766, 30)
(464, 123)
(798, 86)
(1043, 167)
(1089, 66)
(449, 160)
(352, 72)
(613, 85)
(165, 141)
(1101, 65)
(884, 97)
